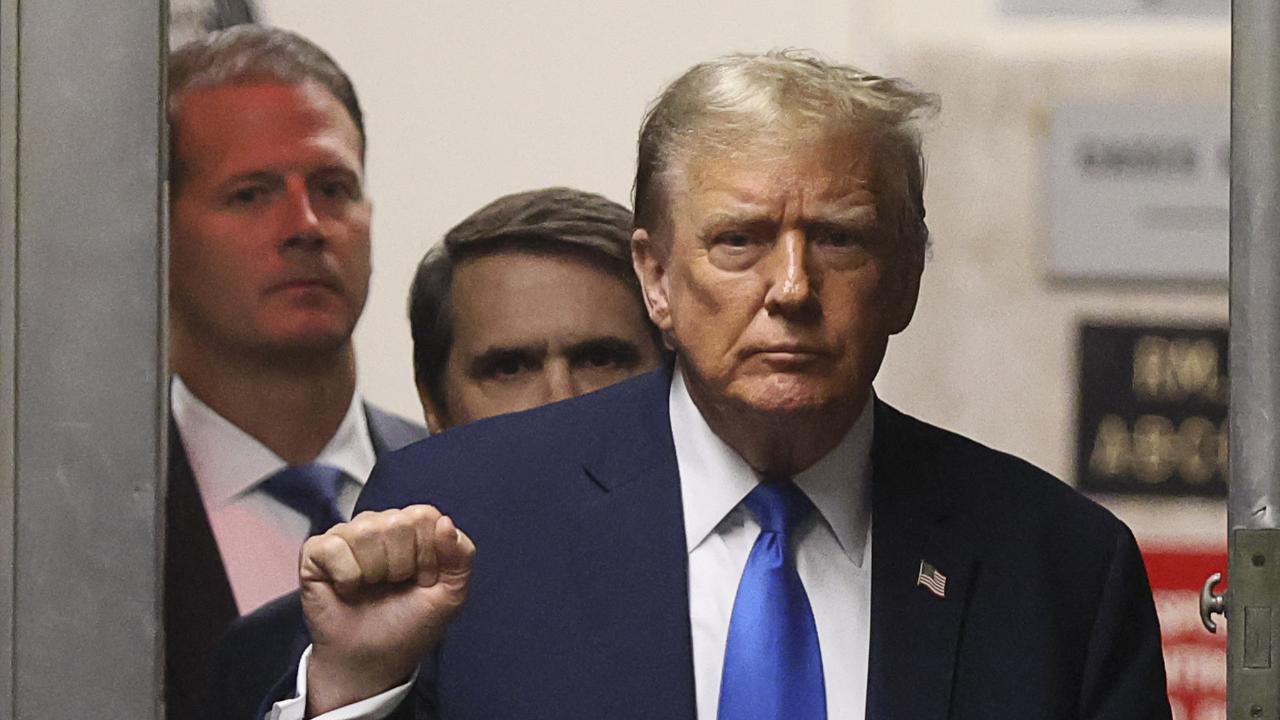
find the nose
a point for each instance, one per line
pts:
(560, 382)
(300, 222)
(791, 287)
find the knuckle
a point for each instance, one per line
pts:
(377, 525)
(421, 513)
(398, 521)
(323, 545)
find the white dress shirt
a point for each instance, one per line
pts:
(257, 535)
(832, 550)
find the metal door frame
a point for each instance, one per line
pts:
(82, 361)
(1253, 602)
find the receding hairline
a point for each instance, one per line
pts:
(246, 55)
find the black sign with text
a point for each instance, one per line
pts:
(1153, 410)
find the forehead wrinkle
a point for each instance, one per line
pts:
(853, 213)
(805, 196)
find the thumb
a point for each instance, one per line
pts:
(454, 552)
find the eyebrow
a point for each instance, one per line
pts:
(274, 176)
(495, 355)
(261, 176)
(850, 215)
(624, 351)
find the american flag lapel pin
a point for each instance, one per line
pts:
(932, 580)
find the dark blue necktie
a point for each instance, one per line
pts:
(772, 665)
(312, 490)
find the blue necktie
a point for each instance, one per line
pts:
(312, 490)
(772, 665)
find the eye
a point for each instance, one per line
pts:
(502, 366)
(605, 354)
(836, 237)
(734, 240)
(507, 367)
(248, 195)
(338, 190)
(738, 248)
(601, 358)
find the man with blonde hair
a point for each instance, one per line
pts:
(750, 533)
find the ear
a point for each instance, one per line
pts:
(432, 411)
(649, 262)
(910, 266)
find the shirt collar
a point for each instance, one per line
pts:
(714, 478)
(228, 462)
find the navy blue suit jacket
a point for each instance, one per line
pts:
(579, 603)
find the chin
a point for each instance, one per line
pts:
(784, 395)
(314, 340)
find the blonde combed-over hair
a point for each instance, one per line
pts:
(786, 97)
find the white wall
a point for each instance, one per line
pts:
(467, 101)
(992, 351)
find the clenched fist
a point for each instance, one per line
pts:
(377, 593)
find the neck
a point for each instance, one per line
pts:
(293, 406)
(777, 444)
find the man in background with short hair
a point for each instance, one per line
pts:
(270, 440)
(528, 301)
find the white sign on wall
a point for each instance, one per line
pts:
(1139, 191)
(1191, 8)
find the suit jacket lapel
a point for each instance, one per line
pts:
(388, 433)
(914, 633)
(198, 603)
(633, 550)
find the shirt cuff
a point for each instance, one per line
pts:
(377, 707)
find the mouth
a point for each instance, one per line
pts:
(787, 353)
(305, 283)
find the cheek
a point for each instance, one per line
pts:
(213, 251)
(208, 274)
(592, 379)
(471, 400)
(707, 294)
(187, 245)
(858, 314)
(466, 402)
(354, 245)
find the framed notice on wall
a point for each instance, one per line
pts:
(1138, 190)
(1152, 410)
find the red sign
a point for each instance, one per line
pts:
(1194, 659)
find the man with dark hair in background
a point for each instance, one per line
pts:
(529, 300)
(269, 438)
